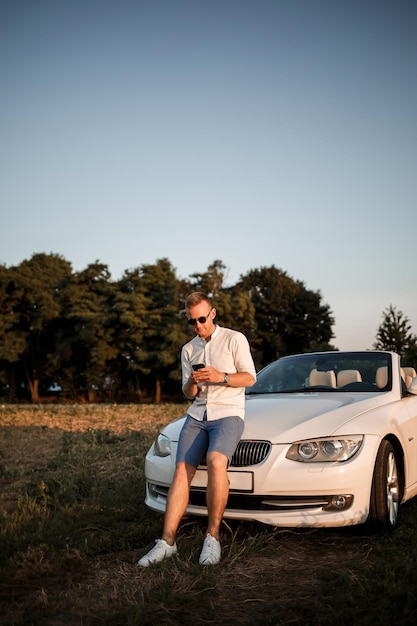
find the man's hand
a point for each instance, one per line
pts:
(207, 374)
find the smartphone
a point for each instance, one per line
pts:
(198, 366)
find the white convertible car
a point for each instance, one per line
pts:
(330, 439)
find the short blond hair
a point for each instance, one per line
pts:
(195, 298)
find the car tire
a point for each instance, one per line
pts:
(386, 491)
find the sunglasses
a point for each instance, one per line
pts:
(202, 320)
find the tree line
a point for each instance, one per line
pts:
(81, 336)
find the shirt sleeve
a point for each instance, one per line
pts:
(185, 365)
(242, 355)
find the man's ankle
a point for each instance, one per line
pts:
(169, 540)
(216, 535)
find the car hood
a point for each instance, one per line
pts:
(284, 418)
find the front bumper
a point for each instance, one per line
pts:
(280, 492)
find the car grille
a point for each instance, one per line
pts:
(248, 453)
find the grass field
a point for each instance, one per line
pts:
(73, 525)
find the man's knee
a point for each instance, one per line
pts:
(184, 472)
(217, 462)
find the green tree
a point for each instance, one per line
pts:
(289, 318)
(31, 305)
(394, 333)
(209, 282)
(85, 346)
(234, 306)
(236, 310)
(165, 330)
(131, 306)
(12, 339)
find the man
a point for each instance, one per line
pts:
(214, 423)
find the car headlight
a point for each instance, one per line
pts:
(162, 445)
(325, 449)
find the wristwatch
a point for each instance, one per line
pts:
(226, 379)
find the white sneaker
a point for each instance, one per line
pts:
(161, 550)
(210, 554)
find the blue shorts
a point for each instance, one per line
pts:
(198, 437)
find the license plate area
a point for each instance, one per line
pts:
(241, 482)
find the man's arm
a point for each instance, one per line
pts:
(209, 374)
(240, 379)
(190, 389)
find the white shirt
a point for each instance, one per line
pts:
(227, 351)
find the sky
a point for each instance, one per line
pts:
(254, 132)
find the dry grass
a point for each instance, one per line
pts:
(73, 525)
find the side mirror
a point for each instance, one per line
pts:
(412, 388)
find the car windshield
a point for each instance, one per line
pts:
(326, 371)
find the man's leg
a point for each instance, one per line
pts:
(177, 501)
(216, 499)
(224, 436)
(176, 505)
(217, 491)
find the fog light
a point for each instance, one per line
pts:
(339, 503)
(152, 490)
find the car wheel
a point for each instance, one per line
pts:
(386, 490)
